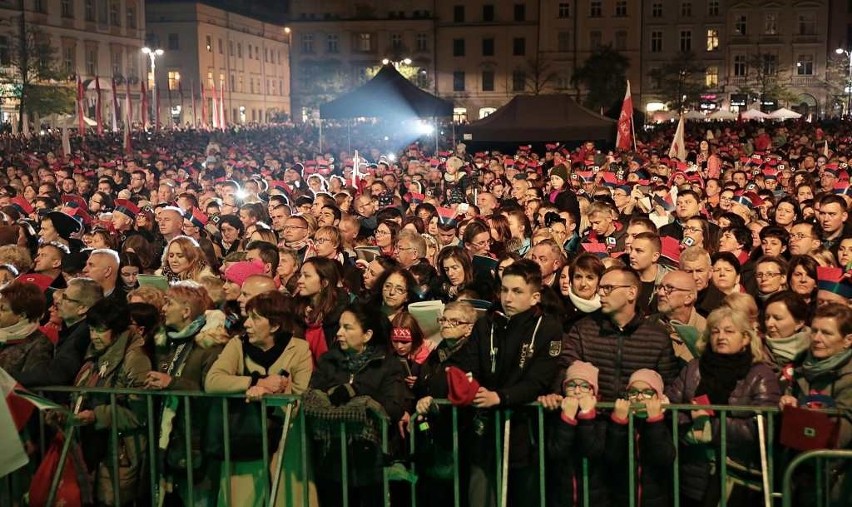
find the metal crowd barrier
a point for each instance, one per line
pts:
(289, 407)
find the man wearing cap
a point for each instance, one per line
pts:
(72, 305)
(59, 227)
(124, 218)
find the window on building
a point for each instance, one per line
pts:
(174, 41)
(595, 39)
(657, 10)
(740, 68)
(520, 12)
(488, 80)
(365, 42)
(174, 80)
(711, 76)
(458, 13)
(519, 81)
(686, 9)
(458, 81)
(712, 7)
(40, 5)
(240, 48)
(91, 61)
(221, 47)
(488, 12)
(563, 41)
(240, 84)
(307, 43)
(131, 16)
(620, 40)
(132, 63)
(740, 24)
(686, 40)
(422, 42)
(770, 23)
(4, 50)
(67, 8)
(208, 43)
(656, 42)
(805, 65)
(231, 51)
(564, 10)
(712, 39)
(488, 46)
(458, 47)
(595, 9)
(519, 46)
(114, 13)
(563, 82)
(770, 64)
(89, 10)
(68, 57)
(116, 63)
(620, 8)
(332, 43)
(807, 23)
(396, 40)
(209, 80)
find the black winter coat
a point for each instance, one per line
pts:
(68, 357)
(759, 388)
(567, 445)
(619, 352)
(654, 454)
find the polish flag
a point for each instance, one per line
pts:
(624, 141)
(81, 123)
(678, 149)
(13, 416)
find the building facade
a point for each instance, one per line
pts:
(245, 60)
(92, 38)
(339, 44)
(487, 51)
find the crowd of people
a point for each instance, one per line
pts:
(251, 262)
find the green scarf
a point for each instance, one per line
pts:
(189, 331)
(786, 350)
(813, 368)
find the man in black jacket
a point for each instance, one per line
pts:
(696, 261)
(513, 357)
(72, 305)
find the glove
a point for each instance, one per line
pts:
(340, 395)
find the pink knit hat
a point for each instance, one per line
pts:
(239, 271)
(651, 378)
(581, 370)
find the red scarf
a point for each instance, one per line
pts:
(315, 336)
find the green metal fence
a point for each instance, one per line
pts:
(765, 419)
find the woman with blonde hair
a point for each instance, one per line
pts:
(183, 259)
(731, 370)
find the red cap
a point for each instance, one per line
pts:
(126, 207)
(671, 248)
(198, 218)
(82, 214)
(41, 281)
(462, 389)
(76, 199)
(23, 204)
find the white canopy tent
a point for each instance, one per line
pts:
(784, 114)
(723, 115)
(754, 114)
(695, 115)
(68, 121)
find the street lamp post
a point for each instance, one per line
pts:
(153, 54)
(396, 63)
(848, 87)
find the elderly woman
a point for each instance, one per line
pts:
(183, 259)
(395, 289)
(785, 322)
(184, 356)
(360, 373)
(730, 371)
(826, 372)
(22, 346)
(771, 276)
(267, 359)
(116, 359)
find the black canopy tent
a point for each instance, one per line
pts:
(539, 119)
(390, 96)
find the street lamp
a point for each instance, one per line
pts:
(396, 63)
(848, 88)
(153, 54)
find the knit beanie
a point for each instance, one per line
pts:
(239, 271)
(581, 370)
(650, 377)
(561, 171)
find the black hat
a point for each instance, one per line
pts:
(65, 224)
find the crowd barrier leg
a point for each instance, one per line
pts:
(279, 468)
(116, 466)
(187, 423)
(226, 430)
(818, 455)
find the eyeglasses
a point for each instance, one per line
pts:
(64, 297)
(641, 393)
(481, 244)
(394, 289)
(452, 322)
(668, 289)
(767, 276)
(606, 290)
(381, 233)
(583, 387)
(321, 241)
(800, 236)
(692, 229)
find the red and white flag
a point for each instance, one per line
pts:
(81, 123)
(114, 107)
(144, 90)
(222, 123)
(99, 116)
(624, 140)
(128, 121)
(678, 149)
(14, 414)
(214, 114)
